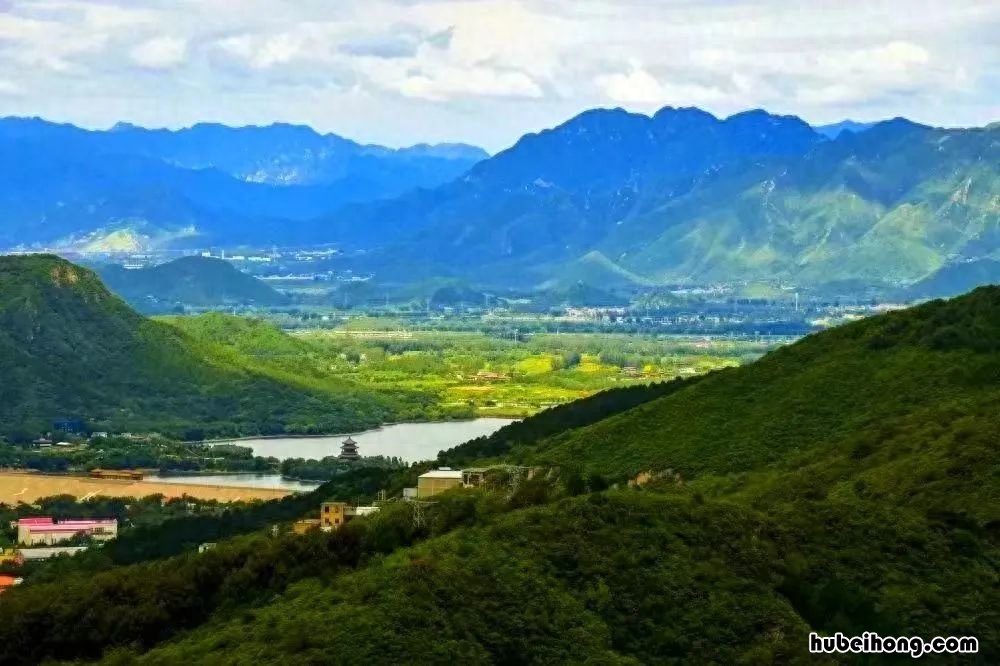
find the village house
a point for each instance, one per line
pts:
(332, 515)
(437, 481)
(45, 531)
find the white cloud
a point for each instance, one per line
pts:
(488, 70)
(480, 82)
(9, 88)
(163, 52)
(640, 88)
(637, 86)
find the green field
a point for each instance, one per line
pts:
(469, 373)
(492, 376)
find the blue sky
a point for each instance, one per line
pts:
(486, 71)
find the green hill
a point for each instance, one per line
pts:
(195, 281)
(864, 382)
(849, 482)
(846, 483)
(69, 348)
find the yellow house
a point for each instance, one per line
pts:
(332, 515)
(437, 481)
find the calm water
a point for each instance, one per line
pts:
(240, 480)
(410, 441)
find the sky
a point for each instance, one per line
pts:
(399, 72)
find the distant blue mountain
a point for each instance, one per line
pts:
(210, 181)
(612, 197)
(834, 130)
(554, 194)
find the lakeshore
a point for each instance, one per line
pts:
(411, 442)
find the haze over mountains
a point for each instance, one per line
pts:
(607, 198)
(685, 197)
(134, 188)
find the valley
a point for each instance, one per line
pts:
(672, 386)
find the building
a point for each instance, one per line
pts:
(45, 531)
(334, 514)
(437, 481)
(7, 582)
(123, 474)
(68, 425)
(349, 450)
(35, 554)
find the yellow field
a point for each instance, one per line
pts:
(24, 487)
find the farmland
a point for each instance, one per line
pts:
(478, 374)
(440, 373)
(28, 488)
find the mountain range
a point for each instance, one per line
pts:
(131, 188)
(612, 197)
(608, 198)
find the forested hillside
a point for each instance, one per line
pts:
(849, 482)
(880, 435)
(866, 382)
(71, 349)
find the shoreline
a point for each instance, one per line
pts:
(351, 434)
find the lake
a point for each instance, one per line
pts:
(412, 442)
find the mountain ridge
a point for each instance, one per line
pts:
(794, 205)
(64, 184)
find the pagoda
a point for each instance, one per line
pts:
(349, 450)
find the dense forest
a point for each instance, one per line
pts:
(71, 349)
(847, 483)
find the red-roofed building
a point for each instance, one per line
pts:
(7, 582)
(46, 531)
